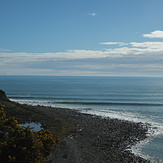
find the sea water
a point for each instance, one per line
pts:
(138, 99)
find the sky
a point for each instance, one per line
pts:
(81, 37)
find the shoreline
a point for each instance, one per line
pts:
(96, 139)
(85, 138)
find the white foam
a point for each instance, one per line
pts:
(33, 102)
(137, 150)
(155, 130)
(124, 115)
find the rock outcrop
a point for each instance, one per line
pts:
(3, 95)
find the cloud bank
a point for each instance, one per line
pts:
(4, 50)
(127, 59)
(114, 43)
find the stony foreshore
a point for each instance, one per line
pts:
(93, 139)
(97, 139)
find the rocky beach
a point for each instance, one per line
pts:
(84, 138)
(97, 139)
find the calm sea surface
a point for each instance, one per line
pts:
(136, 99)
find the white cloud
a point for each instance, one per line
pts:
(154, 34)
(27, 71)
(143, 49)
(151, 45)
(4, 50)
(22, 58)
(78, 54)
(114, 43)
(46, 72)
(120, 52)
(92, 14)
(135, 57)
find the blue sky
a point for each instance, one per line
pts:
(81, 37)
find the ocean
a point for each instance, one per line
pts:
(138, 99)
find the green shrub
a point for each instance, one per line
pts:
(21, 144)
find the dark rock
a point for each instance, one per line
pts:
(3, 95)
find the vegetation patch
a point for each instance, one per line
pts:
(21, 144)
